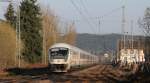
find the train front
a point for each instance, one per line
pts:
(58, 59)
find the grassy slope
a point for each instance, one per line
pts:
(7, 45)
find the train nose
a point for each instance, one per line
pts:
(58, 61)
(59, 67)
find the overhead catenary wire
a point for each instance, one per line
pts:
(84, 7)
(95, 18)
(106, 14)
(98, 18)
(85, 18)
(89, 14)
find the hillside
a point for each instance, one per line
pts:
(99, 43)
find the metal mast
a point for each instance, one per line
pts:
(131, 34)
(123, 26)
(19, 34)
(99, 25)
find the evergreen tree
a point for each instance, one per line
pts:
(31, 26)
(10, 15)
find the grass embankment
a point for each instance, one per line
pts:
(7, 46)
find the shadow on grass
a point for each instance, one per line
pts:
(29, 71)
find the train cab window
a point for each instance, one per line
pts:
(58, 53)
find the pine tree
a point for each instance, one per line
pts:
(10, 15)
(31, 28)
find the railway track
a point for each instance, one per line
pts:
(95, 74)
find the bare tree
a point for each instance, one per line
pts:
(144, 24)
(70, 36)
(50, 31)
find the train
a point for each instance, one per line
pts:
(64, 57)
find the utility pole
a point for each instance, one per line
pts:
(123, 26)
(44, 44)
(16, 43)
(18, 36)
(99, 25)
(131, 34)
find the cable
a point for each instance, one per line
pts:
(114, 10)
(86, 10)
(77, 8)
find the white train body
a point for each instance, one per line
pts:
(63, 57)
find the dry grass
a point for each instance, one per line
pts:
(7, 45)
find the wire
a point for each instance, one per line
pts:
(80, 12)
(5, 1)
(114, 10)
(86, 10)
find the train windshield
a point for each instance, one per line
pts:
(58, 53)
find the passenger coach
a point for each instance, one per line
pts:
(63, 57)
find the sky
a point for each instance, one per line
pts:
(84, 14)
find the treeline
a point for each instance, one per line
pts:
(39, 29)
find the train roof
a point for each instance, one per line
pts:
(61, 45)
(70, 47)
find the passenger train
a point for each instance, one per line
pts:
(63, 57)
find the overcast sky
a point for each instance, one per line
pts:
(83, 12)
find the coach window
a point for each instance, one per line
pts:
(82, 56)
(86, 56)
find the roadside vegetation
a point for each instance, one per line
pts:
(40, 28)
(7, 46)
